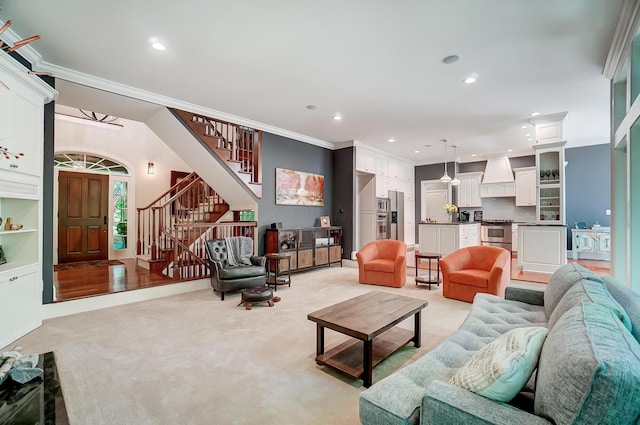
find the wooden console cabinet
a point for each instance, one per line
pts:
(307, 247)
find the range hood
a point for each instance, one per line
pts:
(498, 170)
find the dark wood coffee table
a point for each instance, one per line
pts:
(370, 318)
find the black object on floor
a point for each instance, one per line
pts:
(37, 402)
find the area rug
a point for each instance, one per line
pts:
(86, 265)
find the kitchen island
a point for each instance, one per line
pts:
(542, 248)
(445, 238)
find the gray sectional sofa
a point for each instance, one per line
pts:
(588, 371)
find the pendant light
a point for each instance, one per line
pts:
(445, 177)
(456, 180)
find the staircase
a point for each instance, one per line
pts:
(172, 229)
(238, 147)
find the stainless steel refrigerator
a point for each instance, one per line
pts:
(396, 215)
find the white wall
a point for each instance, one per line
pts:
(135, 145)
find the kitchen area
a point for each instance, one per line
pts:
(515, 203)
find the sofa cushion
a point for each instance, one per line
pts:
(380, 265)
(629, 300)
(502, 368)
(589, 370)
(472, 277)
(588, 290)
(241, 272)
(563, 279)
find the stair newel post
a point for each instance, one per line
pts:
(154, 234)
(139, 232)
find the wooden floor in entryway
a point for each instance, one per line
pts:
(597, 266)
(73, 284)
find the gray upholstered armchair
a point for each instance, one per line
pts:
(225, 277)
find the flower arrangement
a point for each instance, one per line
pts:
(450, 208)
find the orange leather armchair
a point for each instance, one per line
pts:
(383, 262)
(474, 269)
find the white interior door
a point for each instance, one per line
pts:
(435, 200)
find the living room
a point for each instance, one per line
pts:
(280, 151)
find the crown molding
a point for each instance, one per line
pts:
(626, 29)
(158, 99)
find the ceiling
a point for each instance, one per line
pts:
(377, 63)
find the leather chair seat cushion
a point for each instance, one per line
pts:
(471, 277)
(380, 265)
(241, 272)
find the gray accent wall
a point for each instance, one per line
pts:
(282, 152)
(343, 197)
(587, 186)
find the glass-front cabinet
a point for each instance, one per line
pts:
(550, 183)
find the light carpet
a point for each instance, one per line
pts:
(193, 359)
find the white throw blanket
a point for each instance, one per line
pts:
(239, 250)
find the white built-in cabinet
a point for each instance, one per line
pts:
(385, 174)
(525, 186)
(22, 99)
(550, 183)
(469, 190)
(594, 244)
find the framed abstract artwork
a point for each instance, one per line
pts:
(299, 188)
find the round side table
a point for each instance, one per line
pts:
(428, 279)
(276, 276)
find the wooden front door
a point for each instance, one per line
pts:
(83, 208)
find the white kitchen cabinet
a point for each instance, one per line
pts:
(400, 170)
(550, 206)
(497, 190)
(21, 131)
(382, 186)
(525, 186)
(382, 166)
(469, 190)
(592, 244)
(365, 160)
(447, 238)
(542, 248)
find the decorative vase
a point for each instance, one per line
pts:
(449, 217)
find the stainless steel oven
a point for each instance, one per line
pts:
(496, 234)
(382, 225)
(383, 204)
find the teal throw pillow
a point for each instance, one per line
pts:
(501, 369)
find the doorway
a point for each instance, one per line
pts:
(435, 195)
(83, 207)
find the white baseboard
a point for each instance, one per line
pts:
(65, 308)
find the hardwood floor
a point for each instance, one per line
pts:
(73, 284)
(598, 267)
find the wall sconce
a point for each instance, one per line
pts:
(151, 168)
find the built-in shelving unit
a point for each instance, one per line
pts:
(22, 99)
(307, 247)
(550, 183)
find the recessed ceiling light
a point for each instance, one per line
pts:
(530, 140)
(337, 117)
(311, 107)
(473, 154)
(509, 150)
(450, 59)
(392, 140)
(471, 79)
(524, 126)
(427, 146)
(527, 135)
(416, 151)
(535, 114)
(158, 46)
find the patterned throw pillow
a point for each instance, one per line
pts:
(502, 368)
